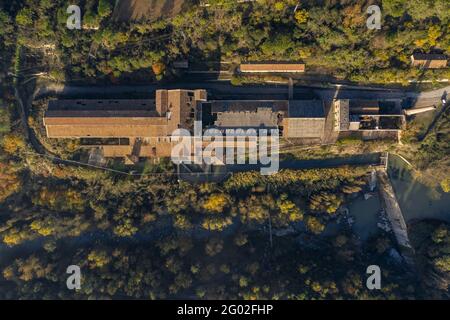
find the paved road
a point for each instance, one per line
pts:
(221, 88)
(224, 90)
(430, 98)
(438, 93)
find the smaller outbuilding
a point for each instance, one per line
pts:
(429, 61)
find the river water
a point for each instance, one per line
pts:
(417, 200)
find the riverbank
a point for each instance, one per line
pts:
(417, 200)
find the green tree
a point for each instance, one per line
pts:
(24, 17)
(104, 8)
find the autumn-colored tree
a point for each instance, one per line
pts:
(216, 202)
(256, 208)
(314, 225)
(43, 227)
(125, 227)
(288, 211)
(214, 223)
(158, 68)
(12, 143)
(32, 268)
(14, 236)
(325, 202)
(240, 239)
(279, 6)
(98, 258)
(182, 222)
(9, 181)
(60, 199)
(354, 16)
(445, 185)
(301, 16)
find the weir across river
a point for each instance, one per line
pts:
(395, 215)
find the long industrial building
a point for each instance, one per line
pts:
(135, 129)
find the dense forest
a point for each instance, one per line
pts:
(330, 36)
(235, 266)
(155, 237)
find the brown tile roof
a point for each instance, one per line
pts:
(272, 67)
(116, 151)
(162, 149)
(104, 121)
(105, 131)
(122, 118)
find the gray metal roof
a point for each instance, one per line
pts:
(247, 105)
(306, 109)
(262, 117)
(429, 56)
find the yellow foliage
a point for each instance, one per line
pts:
(279, 6)
(72, 145)
(8, 273)
(314, 225)
(182, 222)
(98, 259)
(316, 287)
(12, 239)
(353, 16)
(420, 43)
(434, 32)
(445, 185)
(42, 228)
(31, 121)
(301, 16)
(12, 143)
(66, 200)
(288, 209)
(216, 202)
(403, 58)
(216, 223)
(9, 181)
(304, 53)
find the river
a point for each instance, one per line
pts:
(417, 200)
